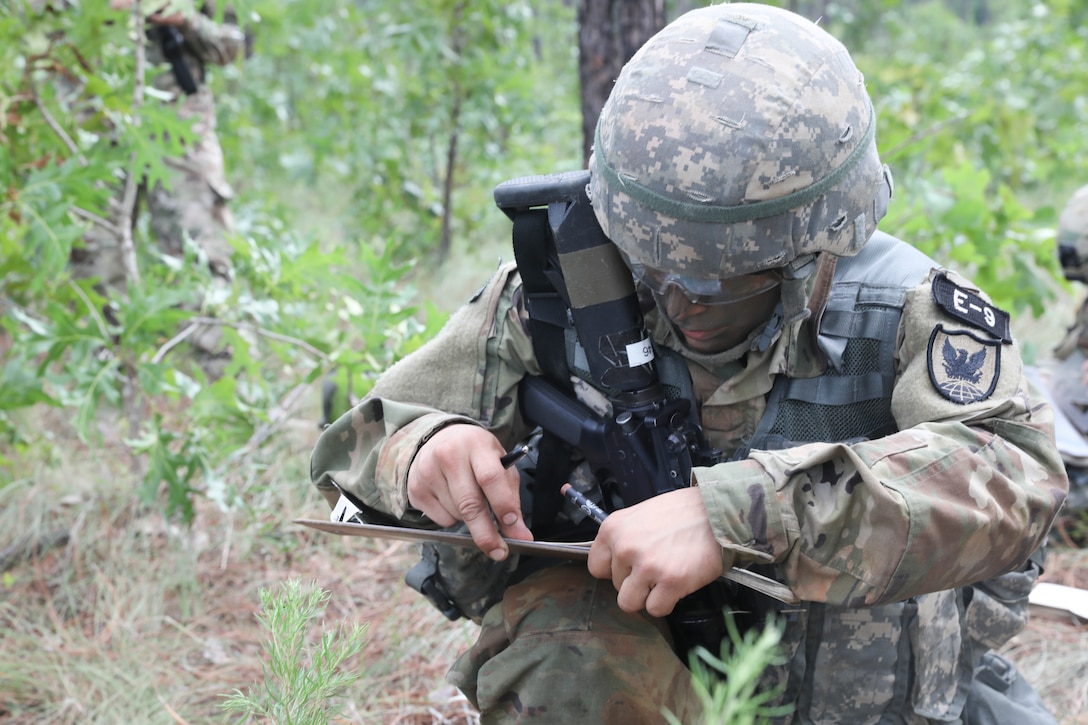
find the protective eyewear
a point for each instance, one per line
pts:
(714, 291)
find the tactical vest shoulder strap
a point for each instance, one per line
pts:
(547, 328)
(885, 262)
(858, 332)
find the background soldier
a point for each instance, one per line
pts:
(195, 205)
(1065, 375)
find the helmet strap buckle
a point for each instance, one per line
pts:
(800, 267)
(770, 331)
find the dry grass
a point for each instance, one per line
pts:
(131, 619)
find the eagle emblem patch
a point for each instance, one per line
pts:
(963, 368)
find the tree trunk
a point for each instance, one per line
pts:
(457, 43)
(609, 33)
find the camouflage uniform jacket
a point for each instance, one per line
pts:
(877, 536)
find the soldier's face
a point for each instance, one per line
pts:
(713, 328)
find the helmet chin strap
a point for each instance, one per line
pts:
(793, 308)
(769, 333)
(795, 287)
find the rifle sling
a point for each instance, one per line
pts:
(547, 314)
(171, 41)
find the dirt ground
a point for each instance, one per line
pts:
(410, 644)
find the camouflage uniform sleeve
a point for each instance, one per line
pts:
(966, 490)
(212, 42)
(467, 374)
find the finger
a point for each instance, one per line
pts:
(621, 572)
(502, 489)
(433, 507)
(472, 508)
(632, 595)
(600, 557)
(661, 600)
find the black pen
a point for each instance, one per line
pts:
(509, 459)
(594, 511)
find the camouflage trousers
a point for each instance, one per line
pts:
(558, 649)
(192, 207)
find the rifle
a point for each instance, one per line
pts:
(172, 42)
(574, 278)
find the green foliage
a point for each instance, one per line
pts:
(378, 107)
(981, 126)
(301, 679)
(1003, 96)
(727, 686)
(295, 309)
(408, 103)
(982, 230)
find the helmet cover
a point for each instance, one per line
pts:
(738, 139)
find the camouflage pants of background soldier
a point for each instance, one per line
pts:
(196, 202)
(194, 207)
(190, 207)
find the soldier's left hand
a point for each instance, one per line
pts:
(657, 551)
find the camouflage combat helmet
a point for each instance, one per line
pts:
(738, 139)
(1073, 237)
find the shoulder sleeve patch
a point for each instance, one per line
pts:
(963, 368)
(968, 307)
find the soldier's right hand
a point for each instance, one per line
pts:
(457, 476)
